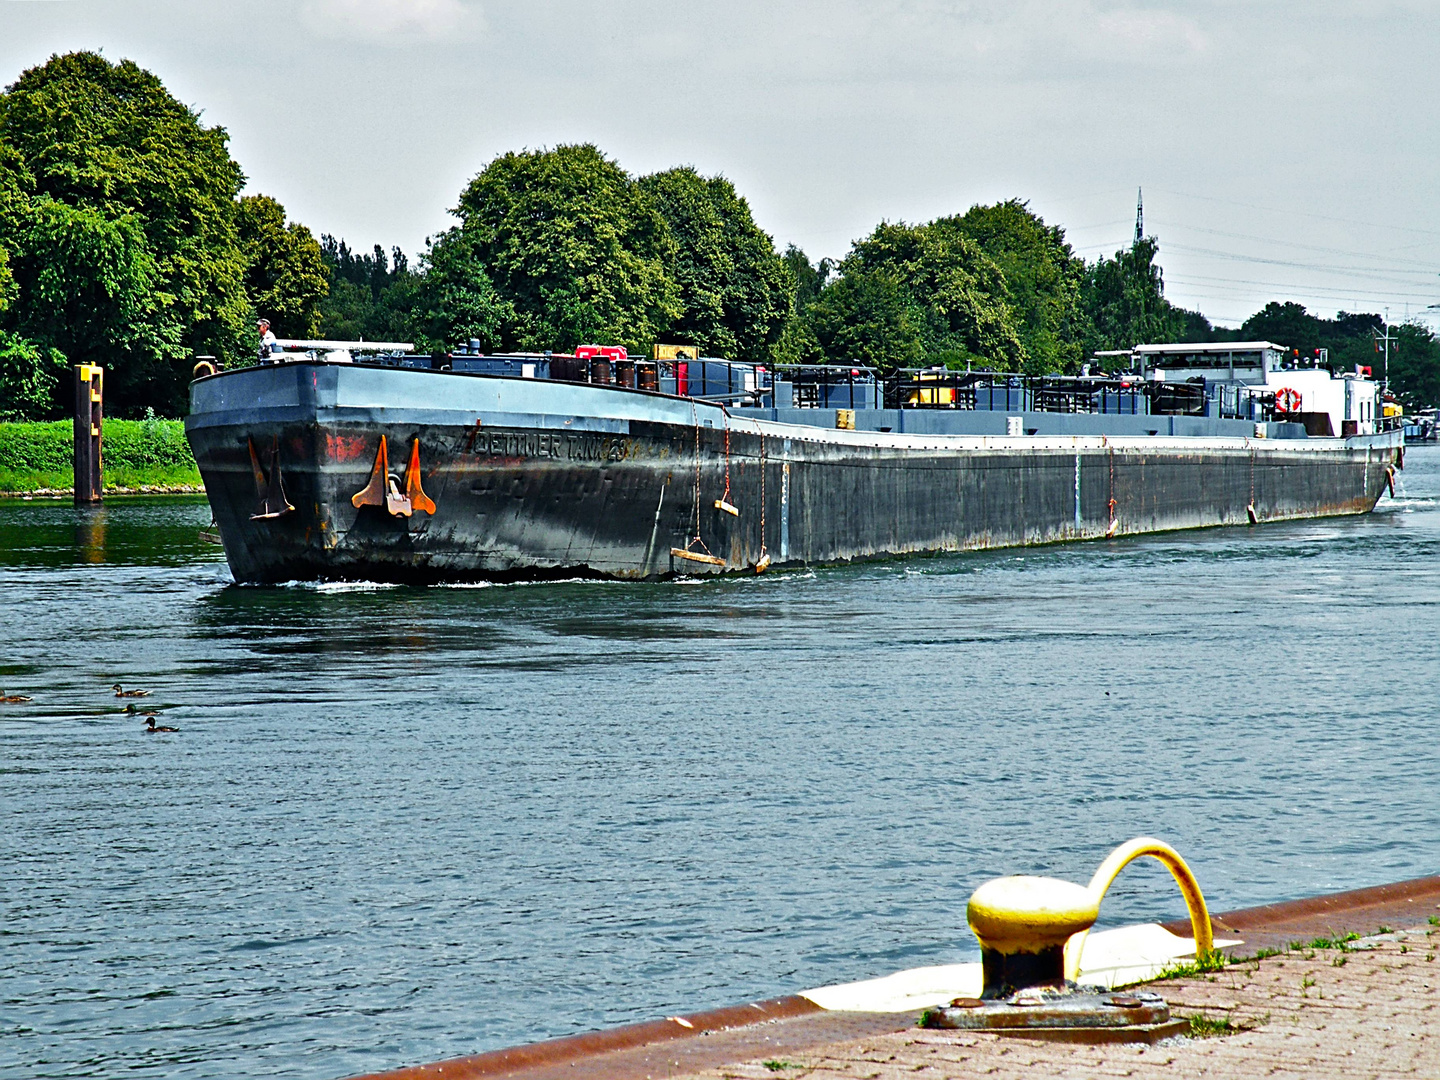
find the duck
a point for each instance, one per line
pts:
(13, 699)
(150, 727)
(129, 693)
(131, 710)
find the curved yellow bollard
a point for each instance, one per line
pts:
(1120, 858)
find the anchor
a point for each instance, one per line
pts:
(269, 488)
(382, 489)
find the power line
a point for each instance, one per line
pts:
(1302, 213)
(1430, 266)
(1200, 281)
(1362, 271)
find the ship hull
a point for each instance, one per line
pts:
(534, 479)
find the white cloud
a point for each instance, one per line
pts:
(394, 22)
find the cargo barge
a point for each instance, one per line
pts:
(321, 464)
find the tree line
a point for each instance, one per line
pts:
(125, 241)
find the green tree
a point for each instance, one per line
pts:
(575, 245)
(807, 280)
(136, 199)
(87, 287)
(1198, 328)
(735, 292)
(1124, 301)
(30, 377)
(958, 300)
(24, 393)
(285, 278)
(454, 299)
(868, 318)
(1415, 367)
(797, 343)
(355, 305)
(1286, 324)
(1042, 276)
(1348, 339)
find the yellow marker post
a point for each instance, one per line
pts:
(89, 423)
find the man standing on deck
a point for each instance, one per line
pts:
(267, 341)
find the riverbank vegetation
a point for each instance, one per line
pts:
(137, 453)
(125, 241)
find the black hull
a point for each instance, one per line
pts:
(553, 499)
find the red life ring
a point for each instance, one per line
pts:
(1287, 400)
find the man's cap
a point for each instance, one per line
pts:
(263, 322)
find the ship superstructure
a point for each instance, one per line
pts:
(1259, 379)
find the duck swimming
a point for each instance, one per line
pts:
(13, 699)
(131, 710)
(150, 727)
(129, 693)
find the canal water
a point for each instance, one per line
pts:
(402, 824)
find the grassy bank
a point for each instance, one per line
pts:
(137, 454)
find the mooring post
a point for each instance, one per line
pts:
(89, 420)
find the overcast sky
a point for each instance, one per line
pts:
(1286, 150)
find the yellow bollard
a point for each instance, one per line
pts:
(1032, 930)
(1122, 857)
(1022, 924)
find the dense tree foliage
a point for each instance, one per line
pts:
(368, 296)
(1124, 301)
(455, 300)
(560, 247)
(121, 224)
(735, 291)
(573, 244)
(806, 280)
(31, 376)
(1414, 366)
(122, 240)
(869, 319)
(1042, 275)
(917, 294)
(285, 277)
(1348, 339)
(125, 241)
(797, 342)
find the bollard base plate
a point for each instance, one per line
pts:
(1083, 1014)
(1148, 1034)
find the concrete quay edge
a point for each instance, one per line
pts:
(793, 1024)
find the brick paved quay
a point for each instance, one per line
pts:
(1368, 1010)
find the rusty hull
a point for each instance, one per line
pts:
(563, 480)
